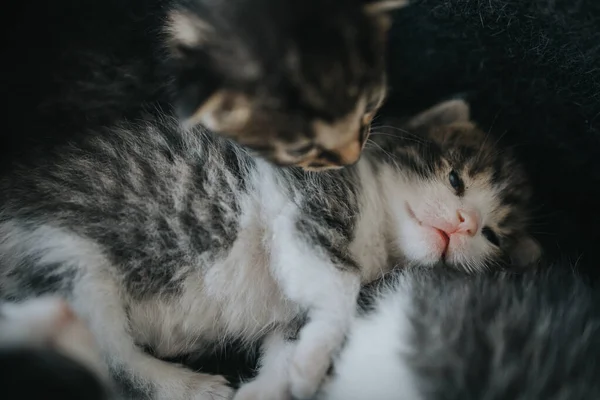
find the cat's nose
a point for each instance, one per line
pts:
(349, 153)
(339, 157)
(465, 222)
(468, 222)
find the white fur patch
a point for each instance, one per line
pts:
(372, 364)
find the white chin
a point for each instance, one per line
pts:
(420, 246)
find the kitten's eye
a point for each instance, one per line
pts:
(300, 151)
(455, 181)
(490, 236)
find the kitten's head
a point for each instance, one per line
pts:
(456, 197)
(298, 82)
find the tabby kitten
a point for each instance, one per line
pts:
(298, 82)
(171, 241)
(438, 335)
(436, 194)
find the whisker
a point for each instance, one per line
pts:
(387, 153)
(395, 128)
(399, 138)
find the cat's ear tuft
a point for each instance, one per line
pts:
(186, 31)
(225, 111)
(381, 7)
(194, 40)
(526, 251)
(445, 113)
(202, 61)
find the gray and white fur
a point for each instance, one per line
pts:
(436, 335)
(167, 242)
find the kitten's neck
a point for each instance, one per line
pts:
(373, 245)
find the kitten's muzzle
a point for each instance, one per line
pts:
(325, 159)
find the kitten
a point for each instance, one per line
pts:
(45, 348)
(436, 335)
(449, 197)
(170, 241)
(297, 82)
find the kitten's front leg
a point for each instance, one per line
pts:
(327, 290)
(141, 376)
(272, 380)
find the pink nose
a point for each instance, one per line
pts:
(466, 222)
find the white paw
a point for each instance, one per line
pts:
(308, 371)
(263, 389)
(212, 387)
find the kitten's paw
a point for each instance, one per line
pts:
(212, 387)
(263, 389)
(308, 371)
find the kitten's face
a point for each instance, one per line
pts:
(458, 200)
(296, 82)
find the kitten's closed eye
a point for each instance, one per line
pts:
(313, 107)
(490, 236)
(300, 151)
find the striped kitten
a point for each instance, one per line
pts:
(171, 242)
(441, 336)
(298, 82)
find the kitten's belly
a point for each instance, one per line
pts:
(237, 297)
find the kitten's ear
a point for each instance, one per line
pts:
(201, 62)
(445, 113)
(525, 251)
(186, 30)
(188, 63)
(379, 7)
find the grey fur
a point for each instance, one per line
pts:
(154, 198)
(131, 223)
(157, 205)
(136, 198)
(534, 336)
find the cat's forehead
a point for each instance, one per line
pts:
(465, 147)
(333, 70)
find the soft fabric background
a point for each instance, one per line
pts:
(530, 68)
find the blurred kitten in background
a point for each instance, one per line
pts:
(45, 350)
